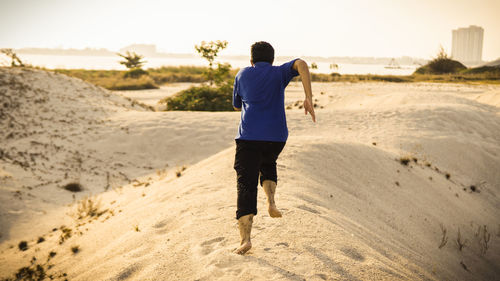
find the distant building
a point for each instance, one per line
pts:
(467, 44)
(141, 49)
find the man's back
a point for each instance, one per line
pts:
(260, 91)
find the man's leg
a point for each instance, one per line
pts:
(246, 164)
(245, 226)
(270, 189)
(268, 175)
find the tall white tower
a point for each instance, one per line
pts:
(467, 44)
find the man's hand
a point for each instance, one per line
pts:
(301, 67)
(308, 107)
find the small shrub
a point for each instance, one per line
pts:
(40, 240)
(52, 254)
(23, 245)
(442, 64)
(34, 272)
(179, 171)
(404, 160)
(204, 98)
(73, 187)
(89, 208)
(65, 234)
(75, 249)
(135, 73)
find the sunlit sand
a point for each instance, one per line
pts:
(351, 207)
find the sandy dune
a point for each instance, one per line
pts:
(351, 210)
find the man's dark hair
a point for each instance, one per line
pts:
(262, 51)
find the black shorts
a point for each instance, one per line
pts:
(254, 160)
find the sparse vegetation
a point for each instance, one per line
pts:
(444, 237)
(161, 173)
(40, 240)
(111, 79)
(23, 245)
(179, 171)
(483, 238)
(404, 160)
(88, 208)
(75, 249)
(460, 242)
(15, 60)
(65, 234)
(35, 272)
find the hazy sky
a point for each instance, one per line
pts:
(389, 28)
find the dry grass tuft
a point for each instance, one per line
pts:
(88, 208)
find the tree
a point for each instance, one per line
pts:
(213, 97)
(209, 51)
(134, 63)
(15, 60)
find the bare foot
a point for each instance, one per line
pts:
(244, 248)
(274, 212)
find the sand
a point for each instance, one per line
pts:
(166, 187)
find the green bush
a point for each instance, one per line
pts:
(204, 98)
(442, 64)
(135, 73)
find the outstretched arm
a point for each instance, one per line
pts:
(301, 67)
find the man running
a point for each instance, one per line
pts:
(259, 92)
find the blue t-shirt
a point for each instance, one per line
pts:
(259, 91)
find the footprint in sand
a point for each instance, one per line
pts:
(352, 253)
(208, 246)
(127, 272)
(164, 226)
(321, 275)
(285, 244)
(309, 209)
